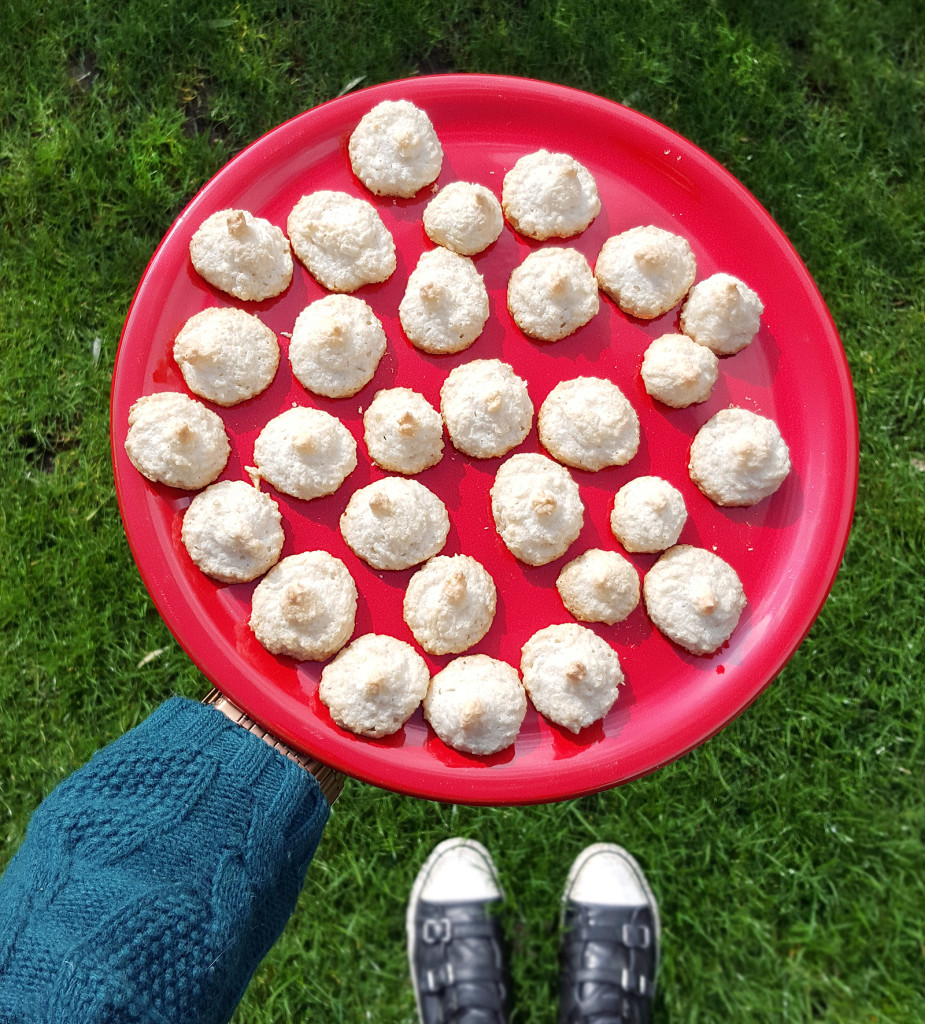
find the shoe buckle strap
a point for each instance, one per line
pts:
(608, 1007)
(630, 981)
(436, 979)
(442, 929)
(632, 936)
(446, 977)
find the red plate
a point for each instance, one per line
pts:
(786, 549)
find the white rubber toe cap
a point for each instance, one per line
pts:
(606, 875)
(458, 870)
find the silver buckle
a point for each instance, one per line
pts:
(440, 930)
(631, 982)
(439, 979)
(636, 936)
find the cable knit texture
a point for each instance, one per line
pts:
(153, 880)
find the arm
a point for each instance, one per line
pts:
(154, 879)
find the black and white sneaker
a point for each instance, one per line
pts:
(610, 940)
(454, 937)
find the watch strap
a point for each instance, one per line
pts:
(329, 779)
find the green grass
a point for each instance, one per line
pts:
(787, 852)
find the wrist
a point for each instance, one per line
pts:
(329, 779)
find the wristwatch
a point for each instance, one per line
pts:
(329, 779)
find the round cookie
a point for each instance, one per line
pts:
(226, 355)
(552, 293)
(173, 439)
(243, 255)
(341, 240)
(648, 514)
(536, 507)
(599, 586)
(694, 598)
(306, 453)
(305, 606)
(450, 604)
(403, 431)
(571, 675)
(646, 270)
(722, 313)
(476, 704)
(336, 346)
(739, 458)
(394, 150)
(589, 424)
(233, 532)
(463, 217)
(375, 685)
(394, 523)
(679, 372)
(549, 195)
(486, 408)
(445, 304)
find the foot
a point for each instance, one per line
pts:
(610, 937)
(454, 937)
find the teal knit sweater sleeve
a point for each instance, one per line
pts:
(152, 881)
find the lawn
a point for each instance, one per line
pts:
(787, 852)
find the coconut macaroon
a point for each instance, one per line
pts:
(694, 598)
(588, 423)
(394, 150)
(226, 355)
(336, 346)
(552, 293)
(646, 270)
(464, 217)
(739, 458)
(648, 514)
(571, 675)
(486, 408)
(476, 704)
(549, 195)
(450, 604)
(445, 304)
(305, 606)
(722, 313)
(394, 523)
(679, 372)
(243, 255)
(536, 507)
(306, 453)
(173, 439)
(599, 586)
(233, 532)
(374, 685)
(403, 431)
(341, 240)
